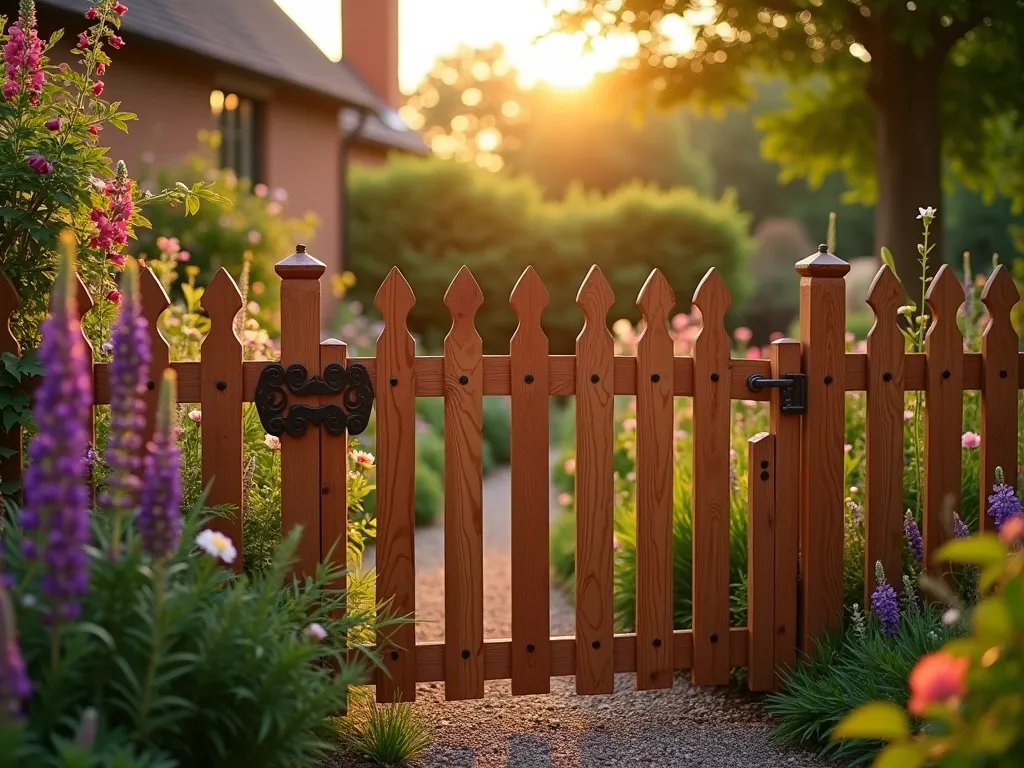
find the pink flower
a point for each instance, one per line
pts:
(114, 296)
(184, 256)
(629, 425)
(316, 632)
(970, 440)
(63, 68)
(120, 8)
(39, 164)
(753, 353)
(94, 129)
(92, 13)
(362, 458)
(908, 415)
(570, 466)
(273, 442)
(83, 40)
(564, 499)
(112, 223)
(938, 678)
(22, 56)
(196, 416)
(260, 190)
(101, 68)
(117, 259)
(679, 322)
(847, 448)
(743, 335)
(116, 42)
(97, 87)
(776, 336)
(615, 543)
(53, 124)
(254, 236)
(1012, 529)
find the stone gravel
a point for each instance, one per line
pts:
(681, 726)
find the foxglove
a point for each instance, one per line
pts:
(130, 343)
(885, 603)
(56, 514)
(159, 520)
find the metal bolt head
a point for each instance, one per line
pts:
(946, 373)
(528, 378)
(394, 655)
(886, 376)
(393, 381)
(222, 385)
(150, 385)
(594, 378)
(530, 648)
(765, 475)
(465, 653)
(1003, 373)
(656, 642)
(655, 377)
(715, 376)
(828, 380)
(596, 645)
(463, 379)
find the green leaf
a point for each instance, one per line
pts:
(980, 549)
(877, 720)
(902, 755)
(992, 620)
(12, 365)
(192, 204)
(88, 628)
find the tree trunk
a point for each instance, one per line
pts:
(905, 93)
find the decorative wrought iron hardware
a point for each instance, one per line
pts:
(793, 386)
(351, 415)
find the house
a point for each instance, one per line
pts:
(289, 116)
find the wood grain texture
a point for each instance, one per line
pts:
(711, 493)
(999, 417)
(300, 456)
(883, 515)
(594, 488)
(396, 471)
(154, 302)
(761, 562)
(785, 429)
(10, 466)
(822, 491)
(497, 376)
(944, 412)
(333, 476)
(654, 461)
(84, 303)
(463, 493)
(221, 398)
(430, 659)
(528, 350)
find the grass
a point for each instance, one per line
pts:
(388, 735)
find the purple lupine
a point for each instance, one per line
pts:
(885, 603)
(1003, 503)
(56, 514)
(15, 686)
(913, 535)
(130, 342)
(159, 519)
(960, 529)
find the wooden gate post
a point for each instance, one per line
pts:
(300, 456)
(822, 340)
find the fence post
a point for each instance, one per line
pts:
(10, 467)
(822, 332)
(300, 456)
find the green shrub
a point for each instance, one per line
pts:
(429, 498)
(431, 217)
(498, 429)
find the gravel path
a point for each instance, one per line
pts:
(683, 726)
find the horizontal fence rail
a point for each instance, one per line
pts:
(795, 489)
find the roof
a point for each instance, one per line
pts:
(254, 35)
(384, 129)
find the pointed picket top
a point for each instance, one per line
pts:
(1000, 294)
(82, 297)
(222, 300)
(595, 298)
(9, 302)
(945, 295)
(463, 297)
(712, 298)
(885, 294)
(394, 298)
(529, 298)
(656, 299)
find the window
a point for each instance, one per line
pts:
(238, 121)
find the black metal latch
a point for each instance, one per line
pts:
(793, 386)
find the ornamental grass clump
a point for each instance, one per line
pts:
(150, 652)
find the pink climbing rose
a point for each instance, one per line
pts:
(970, 440)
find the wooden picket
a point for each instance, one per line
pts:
(463, 493)
(85, 304)
(154, 303)
(795, 488)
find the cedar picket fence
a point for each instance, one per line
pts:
(796, 489)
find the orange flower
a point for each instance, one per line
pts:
(1012, 530)
(938, 678)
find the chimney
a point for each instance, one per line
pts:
(369, 43)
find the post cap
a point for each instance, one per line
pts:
(822, 264)
(300, 266)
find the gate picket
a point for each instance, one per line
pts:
(463, 493)
(154, 302)
(944, 411)
(396, 472)
(531, 627)
(654, 462)
(711, 493)
(594, 488)
(761, 562)
(999, 416)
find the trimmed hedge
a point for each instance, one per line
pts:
(429, 217)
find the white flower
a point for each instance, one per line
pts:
(196, 416)
(217, 545)
(951, 617)
(927, 213)
(316, 632)
(272, 442)
(362, 458)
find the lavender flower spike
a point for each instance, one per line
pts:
(913, 534)
(1003, 503)
(885, 603)
(55, 518)
(159, 520)
(130, 341)
(960, 529)
(15, 686)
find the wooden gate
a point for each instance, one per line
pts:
(796, 486)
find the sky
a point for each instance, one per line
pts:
(432, 28)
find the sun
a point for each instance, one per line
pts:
(566, 61)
